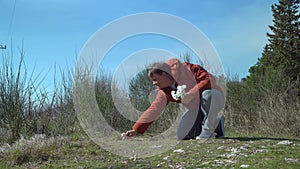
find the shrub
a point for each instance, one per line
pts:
(26, 108)
(268, 104)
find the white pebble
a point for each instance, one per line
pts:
(291, 160)
(286, 142)
(179, 151)
(244, 166)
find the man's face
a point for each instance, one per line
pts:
(162, 80)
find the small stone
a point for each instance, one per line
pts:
(245, 147)
(179, 151)
(234, 150)
(244, 166)
(230, 161)
(231, 155)
(219, 162)
(206, 163)
(221, 148)
(291, 160)
(166, 158)
(286, 142)
(156, 146)
(134, 157)
(261, 151)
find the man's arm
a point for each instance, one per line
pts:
(152, 113)
(202, 78)
(149, 115)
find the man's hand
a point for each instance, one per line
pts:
(187, 98)
(129, 133)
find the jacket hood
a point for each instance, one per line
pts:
(176, 67)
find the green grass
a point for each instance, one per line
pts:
(232, 152)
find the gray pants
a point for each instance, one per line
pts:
(204, 121)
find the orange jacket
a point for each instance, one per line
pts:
(195, 77)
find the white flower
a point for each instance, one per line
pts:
(179, 94)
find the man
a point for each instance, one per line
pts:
(203, 98)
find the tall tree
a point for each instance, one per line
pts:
(283, 50)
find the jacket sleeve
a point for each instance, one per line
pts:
(202, 78)
(152, 113)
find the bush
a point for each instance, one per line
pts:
(268, 104)
(36, 148)
(26, 108)
(17, 97)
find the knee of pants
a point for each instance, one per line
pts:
(212, 100)
(206, 100)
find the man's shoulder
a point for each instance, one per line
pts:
(192, 66)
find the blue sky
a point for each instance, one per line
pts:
(55, 31)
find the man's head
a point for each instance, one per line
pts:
(160, 74)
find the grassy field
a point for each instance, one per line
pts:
(234, 151)
(27, 111)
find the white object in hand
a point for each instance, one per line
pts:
(179, 94)
(123, 134)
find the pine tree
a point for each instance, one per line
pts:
(283, 50)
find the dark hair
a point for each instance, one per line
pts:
(158, 68)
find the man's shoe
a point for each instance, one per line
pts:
(204, 136)
(220, 131)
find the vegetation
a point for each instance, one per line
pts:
(77, 151)
(40, 129)
(141, 91)
(283, 50)
(272, 90)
